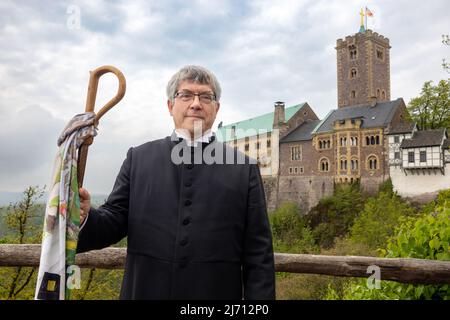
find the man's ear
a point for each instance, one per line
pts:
(170, 106)
(218, 106)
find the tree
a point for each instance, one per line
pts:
(289, 230)
(431, 110)
(379, 219)
(18, 282)
(423, 237)
(334, 215)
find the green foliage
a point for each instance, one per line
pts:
(386, 187)
(290, 233)
(426, 237)
(21, 216)
(379, 219)
(304, 286)
(334, 215)
(431, 110)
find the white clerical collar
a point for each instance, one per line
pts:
(204, 138)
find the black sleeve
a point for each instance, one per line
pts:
(258, 266)
(109, 223)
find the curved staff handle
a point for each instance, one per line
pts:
(90, 104)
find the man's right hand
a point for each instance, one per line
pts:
(85, 204)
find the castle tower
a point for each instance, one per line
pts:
(363, 69)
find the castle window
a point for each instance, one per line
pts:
(343, 164)
(378, 93)
(411, 157)
(396, 139)
(397, 155)
(354, 164)
(268, 143)
(383, 94)
(372, 161)
(380, 53)
(324, 144)
(296, 153)
(295, 169)
(324, 165)
(301, 170)
(291, 170)
(367, 141)
(372, 140)
(423, 156)
(352, 52)
(377, 138)
(353, 94)
(353, 73)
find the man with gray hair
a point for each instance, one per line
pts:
(195, 230)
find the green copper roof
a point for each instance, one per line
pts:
(250, 127)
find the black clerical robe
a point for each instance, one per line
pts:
(195, 231)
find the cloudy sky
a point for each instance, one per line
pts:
(261, 51)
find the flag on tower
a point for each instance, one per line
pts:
(369, 13)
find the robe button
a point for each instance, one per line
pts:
(184, 242)
(190, 166)
(187, 203)
(186, 221)
(188, 184)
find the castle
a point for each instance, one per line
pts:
(367, 139)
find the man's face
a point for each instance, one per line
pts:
(185, 113)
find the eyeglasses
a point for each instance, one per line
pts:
(205, 98)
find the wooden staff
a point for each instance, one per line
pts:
(90, 104)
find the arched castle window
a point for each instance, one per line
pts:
(367, 141)
(324, 165)
(324, 144)
(354, 164)
(372, 162)
(353, 73)
(372, 140)
(377, 139)
(378, 93)
(353, 94)
(383, 95)
(352, 52)
(343, 164)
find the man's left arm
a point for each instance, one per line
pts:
(258, 266)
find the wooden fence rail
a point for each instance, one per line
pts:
(406, 270)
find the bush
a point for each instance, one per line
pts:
(334, 215)
(426, 237)
(289, 230)
(379, 219)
